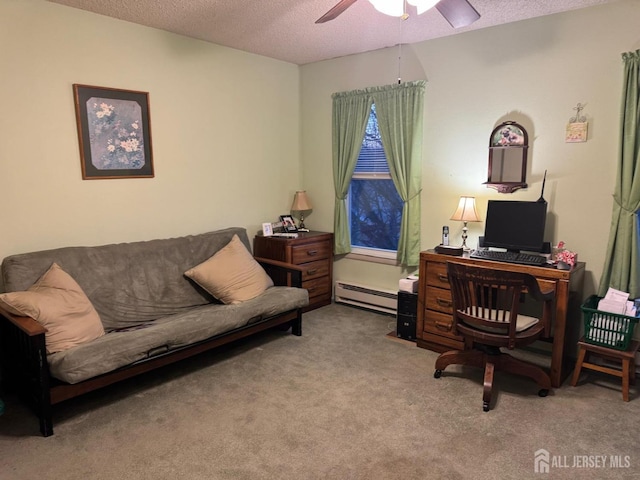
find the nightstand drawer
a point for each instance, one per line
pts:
(315, 270)
(310, 252)
(317, 287)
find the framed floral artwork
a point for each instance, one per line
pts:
(114, 132)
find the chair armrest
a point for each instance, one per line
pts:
(547, 294)
(279, 268)
(533, 287)
(26, 324)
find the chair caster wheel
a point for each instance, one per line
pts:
(543, 392)
(485, 407)
(437, 374)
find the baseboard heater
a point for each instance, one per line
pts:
(377, 299)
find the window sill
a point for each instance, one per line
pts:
(372, 259)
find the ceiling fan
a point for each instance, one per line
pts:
(459, 13)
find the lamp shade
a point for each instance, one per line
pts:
(301, 202)
(466, 211)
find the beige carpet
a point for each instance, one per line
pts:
(343, 401)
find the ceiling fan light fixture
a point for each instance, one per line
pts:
(423, 5)
(393, 8)
(459, 13)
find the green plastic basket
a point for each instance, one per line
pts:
(607, 329)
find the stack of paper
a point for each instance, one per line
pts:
(617, 301)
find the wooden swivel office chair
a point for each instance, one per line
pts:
(485, 313)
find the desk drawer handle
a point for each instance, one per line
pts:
(443, 278)
(443, 303)
(312, 272)
(312, 253)
(443, 325)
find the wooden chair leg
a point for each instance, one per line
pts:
(488, 386)
(576, 372)
(507, 363)
(473, 358)
(625, 379)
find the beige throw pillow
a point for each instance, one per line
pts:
(231, 275)
(58, 303)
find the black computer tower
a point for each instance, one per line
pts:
(407, 314)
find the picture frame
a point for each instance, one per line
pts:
(288, 224)
(508, 135)
(267, 229)
(114, 132)
(576, 132)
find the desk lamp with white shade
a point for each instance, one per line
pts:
(466, 212)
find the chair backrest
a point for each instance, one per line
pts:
(486, 304)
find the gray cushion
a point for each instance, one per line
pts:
(120, 348)
(128, 283)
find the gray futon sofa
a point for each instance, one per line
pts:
(151, 312)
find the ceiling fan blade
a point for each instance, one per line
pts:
(459, 13)
(340, 7)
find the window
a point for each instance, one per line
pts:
(375, 207)
(371, 220)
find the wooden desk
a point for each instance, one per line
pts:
(435, 307)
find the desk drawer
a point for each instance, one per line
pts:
(439, 324)
(310, 252)
(440, 343)
(437, 275)
(439, 299)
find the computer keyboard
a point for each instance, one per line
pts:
(511, 257)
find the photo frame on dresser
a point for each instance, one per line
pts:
(114, 132)
(267, 229)
(288, 224)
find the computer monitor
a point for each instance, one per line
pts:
(515, 225)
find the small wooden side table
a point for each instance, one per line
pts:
(313, 251)
(627, 358)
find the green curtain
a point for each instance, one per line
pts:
(621, 269)
(400, 119)
(350, 116)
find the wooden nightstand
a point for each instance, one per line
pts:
(313, 251)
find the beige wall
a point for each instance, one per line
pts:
(533, 72)
(225, 131)
(235, 134)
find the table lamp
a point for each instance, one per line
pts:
(301, 204)
(466, 212)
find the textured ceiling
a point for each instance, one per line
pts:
(285, 29)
